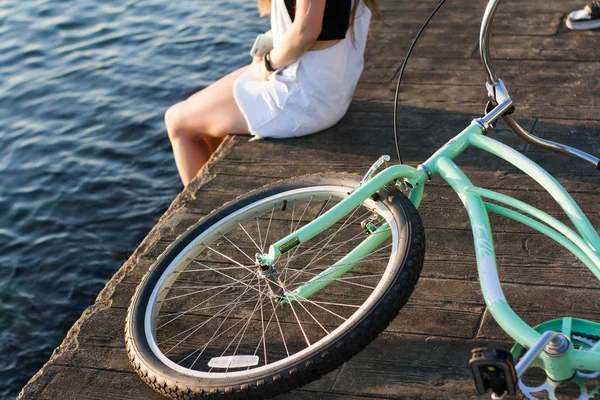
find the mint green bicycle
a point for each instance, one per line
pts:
(286, 283)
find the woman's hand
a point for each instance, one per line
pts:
(303, 33)
(259, 70)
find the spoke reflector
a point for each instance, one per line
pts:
(233, 362)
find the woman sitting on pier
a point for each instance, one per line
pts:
(302, 86)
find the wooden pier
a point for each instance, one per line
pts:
(553, 75)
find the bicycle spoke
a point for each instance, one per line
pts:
(304, 212)
(268, 227)
(262, 322)
(247, 234)
(292, 221)
(218, 328)
(259, 235)
(228, 258)
(263, 340)
(340, 244)
(236, 280)
(359, 260)
(296, 228)
(206, 269)
(193, 331)
(199, 325)
(331, 280)
(220, 305)
(314, 247)
(321, 307)
(320, 248)
(279, 325)
(335, 233)
(313, 317)
(324, 207)
(243, 328)
(334, 304)
(200, 287)
(214, 337)
(334, 249)
(299, 323)
(228, 285)
(242, 251)
(258, 304)
(191, 309)
(343, 243)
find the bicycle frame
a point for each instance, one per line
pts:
(584, 243)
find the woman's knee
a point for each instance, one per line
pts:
(174, 121)
(181, 125)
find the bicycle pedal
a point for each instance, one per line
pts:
(493, 369)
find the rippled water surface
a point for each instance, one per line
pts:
(85, 165)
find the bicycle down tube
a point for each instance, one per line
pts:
(584, 243)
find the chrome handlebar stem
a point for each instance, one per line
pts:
(500, 97)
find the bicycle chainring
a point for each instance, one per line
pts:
(588, 383)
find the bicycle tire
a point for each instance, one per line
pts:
(292, 371)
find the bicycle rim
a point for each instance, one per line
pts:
(211, 315)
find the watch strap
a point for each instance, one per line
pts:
(268, 65)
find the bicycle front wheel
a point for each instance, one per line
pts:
(205, 322)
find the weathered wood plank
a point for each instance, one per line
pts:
(567, 46)
(399, 23)
(555, 102)
(75, 383)
(406, 366)
(476, 7)
(522, 73)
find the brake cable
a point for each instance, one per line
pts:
(402, 68)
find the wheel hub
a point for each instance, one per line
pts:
(269, 274)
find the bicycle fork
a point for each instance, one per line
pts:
(369, 186)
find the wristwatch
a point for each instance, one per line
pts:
(268, 65)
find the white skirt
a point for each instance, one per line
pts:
(310, 94)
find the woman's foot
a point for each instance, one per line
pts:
(585, 19)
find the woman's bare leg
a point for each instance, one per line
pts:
(197, 125)
(213, 143)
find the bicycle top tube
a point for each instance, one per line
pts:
(454, 147)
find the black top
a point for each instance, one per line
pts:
(336, 18)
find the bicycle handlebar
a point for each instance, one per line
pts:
(484, 39)
(550, 145)
(484, 53)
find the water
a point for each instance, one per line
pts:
(85, 165)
